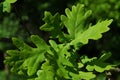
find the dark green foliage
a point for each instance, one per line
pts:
(8, 28)
(103, 9)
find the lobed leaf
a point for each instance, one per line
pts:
(97, 64)
(83, 76)
(60, 61)
(78, 32)
(52, 24)
(30, 58)
(93, 32)
(39, 42)
(75, 20)
(45, 75)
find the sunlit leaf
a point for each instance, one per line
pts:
(7, 5)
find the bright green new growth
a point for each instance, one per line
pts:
(55, 61)
(7, 5)
(74, 22)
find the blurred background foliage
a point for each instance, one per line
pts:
(26, 16)
(106, 9)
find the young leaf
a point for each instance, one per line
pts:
(7, 5)
(57, 62)
(97, 64)
(93, 32)
(13, 60)
(39, 42)
(45, 75)
(75, 24)
(99, 68)
(83, 76)
(33, 62)
(54, 45)
(75, 20)
(29, 58)
(52, 24)
(60, 61)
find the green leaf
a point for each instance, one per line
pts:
(99, 68)
(7, 5)
(45, 75)
(52, 24)
(97, 64)
(13, 60)
(77, 30)
(33, 62)
(105, 56)
(56, 61)
(27, 58)
(75, 20)
(39, 42)
(11, 1)
(37, 55)
(20, 44)
(85, 59)
(86, 75)
(83, 75)
(93, 32)
(54, 45)
(46, 72)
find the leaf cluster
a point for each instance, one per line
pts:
(54, 60)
